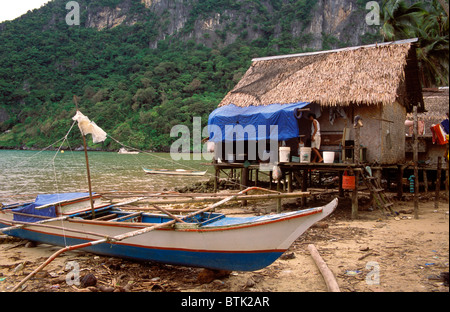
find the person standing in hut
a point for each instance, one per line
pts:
(315, 138)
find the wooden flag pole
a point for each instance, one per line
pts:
(87, 163)
(88, 176)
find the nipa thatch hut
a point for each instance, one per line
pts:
(377, 82)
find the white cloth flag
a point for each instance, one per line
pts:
(89, 127)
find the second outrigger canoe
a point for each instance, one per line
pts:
(179, 172)
(202, 239)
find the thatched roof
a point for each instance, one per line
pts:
(369, 75)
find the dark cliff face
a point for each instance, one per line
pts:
(312, 24)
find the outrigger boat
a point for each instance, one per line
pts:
(179, 172)
(125, 151)
(202, 239)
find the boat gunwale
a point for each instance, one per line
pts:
(294, 215)
(156, 247)
(195, 226)
(210, 228)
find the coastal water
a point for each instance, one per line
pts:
(27, 173)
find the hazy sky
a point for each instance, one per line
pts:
(10, 10)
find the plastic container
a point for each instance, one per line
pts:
(300, 146)
(348, 182)
(285, 153)
(328, 157)
(305, 154)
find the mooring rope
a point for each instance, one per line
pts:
(64, 138)
(56, 178)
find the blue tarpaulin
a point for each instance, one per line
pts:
(233, 123)
(445, 125)
(42, 200)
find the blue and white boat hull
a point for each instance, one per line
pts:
(236, 244)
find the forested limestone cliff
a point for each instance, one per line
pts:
(139, 67)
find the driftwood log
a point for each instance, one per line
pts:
(328, 276)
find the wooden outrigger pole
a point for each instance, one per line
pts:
(87, 163)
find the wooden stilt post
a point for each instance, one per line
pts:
(355, 205)
(400, 181)
(290, 181)
(304, 185)
(216, 179)
(279, 199)
(446, 177)
(341, 190)
(438, 184)
(241, 182)
(357, 145)
(425, 181)
(244, 182)
(416, 165)
(270, 179)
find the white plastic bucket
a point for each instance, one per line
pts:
(305, 154)
(328, 157)
(230, 158)
(285, 153)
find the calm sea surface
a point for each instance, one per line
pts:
(32, 172)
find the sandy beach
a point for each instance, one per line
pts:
(371, 254)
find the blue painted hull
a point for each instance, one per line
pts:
(233, 261)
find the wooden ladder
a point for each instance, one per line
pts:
(378, 193)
